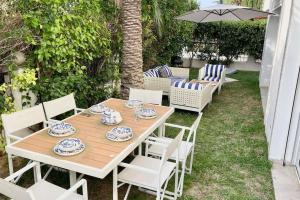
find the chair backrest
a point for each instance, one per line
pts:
(146, 96)
(59, 106)
(23, 119)
(14, 191)
(194, 127)
(212, 72)
(169, 150)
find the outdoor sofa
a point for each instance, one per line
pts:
(161, 78)
(192, 96)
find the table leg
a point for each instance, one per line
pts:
(115, 184)
(160, 130)
(72, 178)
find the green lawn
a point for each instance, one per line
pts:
(231, 151)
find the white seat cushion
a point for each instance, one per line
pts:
(146, 179)
(47, 191)
(185, 149)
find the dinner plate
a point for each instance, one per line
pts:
(120, 134)
(69, 147)
(147, 113)
(133, 102)
(98, 109)
(61, 128)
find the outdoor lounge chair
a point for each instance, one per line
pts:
(153, 80)
(146, 96)
(152, 175)
(213, 73)
(190, 96)
(186, 148)
(41, 190)
(61, 105)
(16, 126)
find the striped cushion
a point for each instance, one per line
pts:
(166, 70)
(213, 72)
(151, 73)
(188, 85)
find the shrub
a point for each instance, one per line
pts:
(230, 39)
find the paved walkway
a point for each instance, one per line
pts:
(286, 184)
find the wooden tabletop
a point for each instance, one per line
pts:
(101, 155)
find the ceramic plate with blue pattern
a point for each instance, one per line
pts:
(69, 147)
(120, 134)
(147, 113)
(98, 109)
(133, 103)
(61, 129)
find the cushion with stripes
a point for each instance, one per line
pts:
(151, 73)
(165, 71)
(188, 85)
(213, 72)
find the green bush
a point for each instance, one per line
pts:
(70, 45)
(230, 39)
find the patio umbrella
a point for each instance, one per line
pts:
(222, 12)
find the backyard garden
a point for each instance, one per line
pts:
(99, 50)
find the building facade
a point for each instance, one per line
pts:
(280, 82)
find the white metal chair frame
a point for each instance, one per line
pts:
(160, 189)
(191, 139)
(61, 105)
(19, 120)
(146, 96)
(219, 83)
(18, 193)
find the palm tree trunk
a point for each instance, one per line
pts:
(132, 58)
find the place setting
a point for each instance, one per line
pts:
(61, 129)
(120, 134)
(98, 109)
(69, 147)
(145, 113)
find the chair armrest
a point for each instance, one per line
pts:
(139, 168)
(78, 110)
(14, 137)
(156, 141)
(82, 183)
(22, 171)
(177, 126)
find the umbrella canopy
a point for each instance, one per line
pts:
(222, 12)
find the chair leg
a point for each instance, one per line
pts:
(115, 184)
(127, 192)
(191, 162)
(10, 164)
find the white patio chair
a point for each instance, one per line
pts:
(146, 96)
(152, 175)
(215, 73)
(16, 126)
(186, 149)
(41, 190)
(61, 105)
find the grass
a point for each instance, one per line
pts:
(231, 151)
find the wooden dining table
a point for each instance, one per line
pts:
(101, 156)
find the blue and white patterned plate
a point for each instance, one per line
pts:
(133, 102)
(69, 147)
(120, 134)
(98, 109)
(147, 113)
(61, 129)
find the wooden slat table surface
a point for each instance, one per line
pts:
(101, 155)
